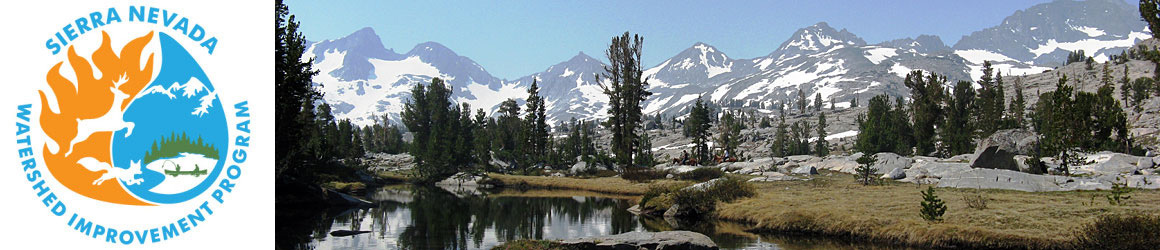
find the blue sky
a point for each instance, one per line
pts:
(517, 38)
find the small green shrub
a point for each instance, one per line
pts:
(932, 207)
(1119, 194)
(701, 174)
(866, 173)
(643, 174)
(731, 189)
(1120, 231)
(975, 200)
(694, 202)
(652, 192)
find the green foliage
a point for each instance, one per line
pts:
(174, 145)
(764, 123)
(927, 94)
(729, 134)
(383, 137)
(440, 146)
(801, 101)
(701, 174)
(731, 189)
(1140, 90)
(1150, 14)
(626, 90)
(294, 95)
(885, 129)
(989, 107)
(1086, 122)
(704, 201)
(636, 174)
(1018, 107)
(1075, 56)
(536, 128)
(508, 134)
(955, 131)
(864, 173)
(818, 102)
(780, 146)
(1120, 231)
(799, 136)
(821, 146)
(1119, 193)
(697, 127)
(932, 207)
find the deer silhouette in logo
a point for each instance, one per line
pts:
(111, 121)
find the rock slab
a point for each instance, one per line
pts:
(668, 240)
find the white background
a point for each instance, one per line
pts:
(241, 68)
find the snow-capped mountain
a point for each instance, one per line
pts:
(1040, 37)
(923, 44)
(817, 60)
(361, 80)
(569, 89)
(678, 81)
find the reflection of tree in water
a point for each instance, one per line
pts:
(436, 219)
(440, 220)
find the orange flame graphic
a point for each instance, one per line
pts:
(91, 98)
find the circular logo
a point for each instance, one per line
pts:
(130, 142)
(138, 139)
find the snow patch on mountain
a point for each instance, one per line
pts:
(1090, 45)
(876, 55)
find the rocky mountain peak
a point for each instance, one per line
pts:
(819, 36)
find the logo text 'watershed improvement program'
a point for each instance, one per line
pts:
(130, 143)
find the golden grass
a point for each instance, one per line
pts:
(348, 187)
(890, 213)
(394, 176)
(544, 193)
(612, 185)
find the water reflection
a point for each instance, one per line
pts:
(410, 217)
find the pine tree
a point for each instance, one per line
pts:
(818, 102)
(509, 133)
(801, 101)
(874, 128)
(1018, 106)
(932, 207)
(1125, 86)
(854, 101)
(956, 128)
(989, 105)
(781, 138)
(536, 126)
(865, 171)
(903, 129)
(821, 146)
(482, 149)
(729, 134)
(927, 94)
(698, 125)
(625, 93)
(432, 120)
(1150, 14)
(294, 95)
